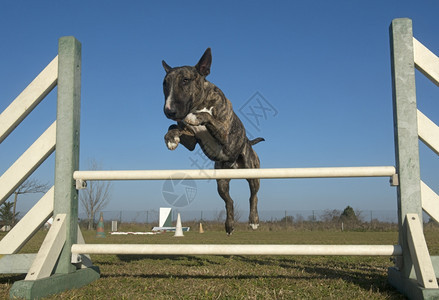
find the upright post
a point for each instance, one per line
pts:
(406, 131)
(67, 275)
(67, 143)
(409, 199)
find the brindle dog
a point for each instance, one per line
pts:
(205, 116)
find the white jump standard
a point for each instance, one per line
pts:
(61, 263)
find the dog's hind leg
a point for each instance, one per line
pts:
(251, 161)
(254, 217)
(223, 191)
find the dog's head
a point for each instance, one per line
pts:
(183, 86)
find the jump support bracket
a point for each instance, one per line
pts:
(394, 180)
(81, 184)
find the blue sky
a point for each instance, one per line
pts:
(322, 66)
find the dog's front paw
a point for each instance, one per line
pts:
(191, 119)
(173, 144)
(172, 140)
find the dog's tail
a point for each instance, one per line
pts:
(256, 140)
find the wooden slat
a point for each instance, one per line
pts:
(28, 225)
(50, 250)
(430, 201)
(419, 253)
(31, 159)
(426, 61)
(428, 132)
(28, 99)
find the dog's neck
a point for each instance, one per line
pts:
(210, 95)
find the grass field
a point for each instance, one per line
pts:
(237, 277)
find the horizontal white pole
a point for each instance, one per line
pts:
(193, 249)
(237, 173)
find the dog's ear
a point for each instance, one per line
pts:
(203, 66)
(166, 66)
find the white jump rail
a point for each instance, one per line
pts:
(220, 249)
(337, 172)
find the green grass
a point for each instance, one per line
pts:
(237, 277)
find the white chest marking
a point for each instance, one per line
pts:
(209, 111)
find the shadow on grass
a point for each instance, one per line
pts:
(205, 277)
(197, 259)
(11, 278)
(374, 281)
(365, 276)
(368, 275)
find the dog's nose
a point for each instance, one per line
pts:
(170, 113)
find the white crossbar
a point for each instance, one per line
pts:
(426, 61)
(193, 249)
(430, 201)
(28, 225)
(386, 171)
(428, 132)
(28, 99)
(28, 162)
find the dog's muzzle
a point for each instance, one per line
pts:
(170, 113)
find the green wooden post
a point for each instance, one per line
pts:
(406, 131)
(406, 154)
(67, 143)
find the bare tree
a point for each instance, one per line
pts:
(330, 216)
(96, 196)
(28, 187)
